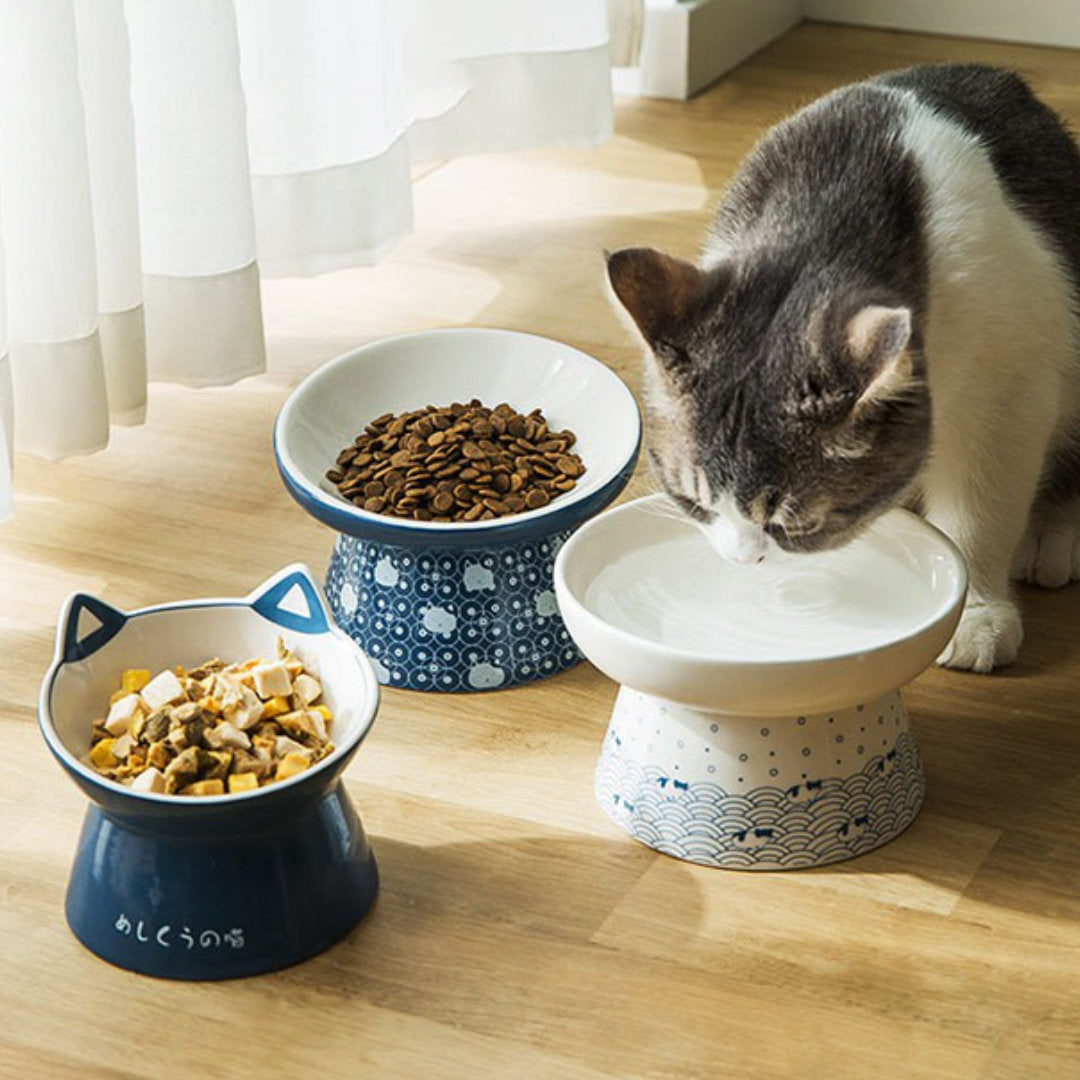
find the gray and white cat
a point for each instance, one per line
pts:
(887, 312)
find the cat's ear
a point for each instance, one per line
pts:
(877, 341)
(657, 290)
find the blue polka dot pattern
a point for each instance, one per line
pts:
(452, 619)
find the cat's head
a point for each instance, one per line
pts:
(777, 409)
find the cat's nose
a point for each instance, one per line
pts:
(741, 541)
(749, 550)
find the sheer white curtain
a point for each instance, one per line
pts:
(157, 156)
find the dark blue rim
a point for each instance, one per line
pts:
(345, 519)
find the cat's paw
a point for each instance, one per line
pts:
(988, 637)
(1049, 554)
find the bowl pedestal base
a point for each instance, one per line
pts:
(221, 900)
(456, 620)
(757, 793)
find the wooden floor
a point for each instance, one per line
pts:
(518, 934)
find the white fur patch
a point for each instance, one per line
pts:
(1002, 350)
(733, 536)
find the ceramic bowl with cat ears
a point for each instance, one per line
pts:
(455, 606)
(221, 886)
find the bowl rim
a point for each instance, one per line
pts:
(56, 744)
(670, 653)
(560, 514)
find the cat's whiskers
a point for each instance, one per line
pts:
(668, 509)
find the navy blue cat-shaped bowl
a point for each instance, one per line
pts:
(212, 887)
(456, 606)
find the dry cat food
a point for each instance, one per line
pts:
(457, 463)
(213, 729)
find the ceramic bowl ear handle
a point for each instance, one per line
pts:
(110, 623)
(292, 600)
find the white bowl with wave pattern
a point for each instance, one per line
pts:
(769, 762)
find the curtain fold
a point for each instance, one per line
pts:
(158, 156)
(105, 83)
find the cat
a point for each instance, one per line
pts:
(887, 312)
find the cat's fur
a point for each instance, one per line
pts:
(887, 311)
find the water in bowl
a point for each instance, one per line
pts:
(680, 593)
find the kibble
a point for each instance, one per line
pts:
(458, 462)
(213, 729)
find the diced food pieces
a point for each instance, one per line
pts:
(318, 724)
(150, 779)
(122, 747)
(211, 705)
(158, 755)
(247, 711)
(205, 787)
(275, 707)
(206, 669)
(283, 746)
(307, 689)
(226, 734)
(271, 680)
(183, 769)
(101, 754)
(177, 739)
(163, 689)
(216, 764)
(122, 713)
(251, 761)
(290, 765)
(228, 726)
(134, 679)
(296, 724)
(244, 781)
(154, 727)
(185, 713)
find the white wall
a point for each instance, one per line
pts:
(1044, 22)
(690, 43)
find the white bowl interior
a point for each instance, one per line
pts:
(646, 571)
(159, 639)
(333, 405)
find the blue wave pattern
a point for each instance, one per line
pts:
(766, 827)
(452, 619)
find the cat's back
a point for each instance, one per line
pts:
(934, 166)
(1034, 158)
(836, 157)
(831, 186)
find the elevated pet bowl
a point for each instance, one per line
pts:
(455, 606)
(218, 886)
(771, 740)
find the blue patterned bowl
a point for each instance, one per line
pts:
(454, 606)
(220, 886)
(754, 763)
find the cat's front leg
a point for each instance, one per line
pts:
(1049, 554)
(981, 500)
(989, 636)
